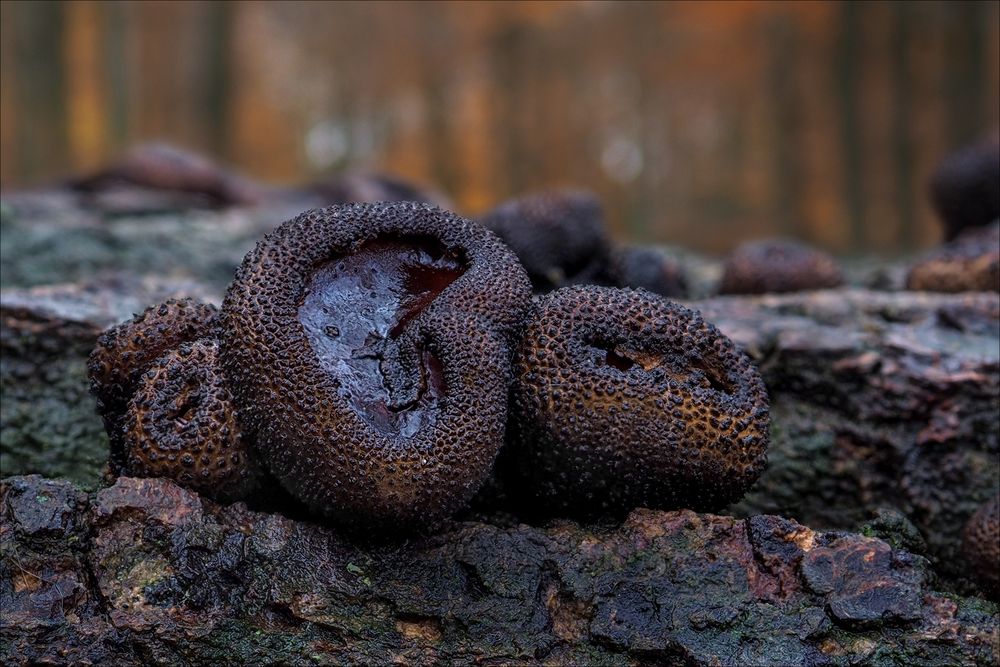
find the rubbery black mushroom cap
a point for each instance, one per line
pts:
(778, 265)
(124, 352)
(622, 398)
(159, 166)
(965, 188)
(362, 187)
(981, 547)
(650, 269)
(558, 235)
(367, 348)
(181, 425)
(969, 263)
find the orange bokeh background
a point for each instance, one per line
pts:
(700, 124)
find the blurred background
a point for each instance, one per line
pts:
(699, 124)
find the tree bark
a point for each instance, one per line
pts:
(145, 572)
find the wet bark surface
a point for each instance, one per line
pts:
(144, 571)
(880, 401)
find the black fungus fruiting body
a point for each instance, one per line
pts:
(965, 188)
(969, 263)
(125, 352)
(181, 425)
(368, 347)
(361, 188)
(778, 265)
(156, 166)
(650, 269)
(981, 546)
(558, 235)
(623, 399)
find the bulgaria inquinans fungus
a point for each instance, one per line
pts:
(362, 187)
(181, 425)
(124, 352)
(778, 265)
(650, 269)
(622, 398)
(969, 263)
(166, 168)
(981, 546)
(367, 348)
(558, 235)
(965, 188)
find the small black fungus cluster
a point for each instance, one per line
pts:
(650, 269)
(965, 188)
(165, 411)
(561, 239)
(965, 191)
(622, 398)
(166, 168)
(367, 188)
(365, 356)
(158, 176)
(778, 265)
(125, 352)
(558, 235)
(969, 263)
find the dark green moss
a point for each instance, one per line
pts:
(47, 419)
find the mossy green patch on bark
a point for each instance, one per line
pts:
(47, 420)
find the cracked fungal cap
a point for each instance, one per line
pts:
(124, 352)
(181, 425)
(969, 263)
(981, 546)
(965, 188)
(778, 265)
(367, 348)
(558, 235)
(622, 398)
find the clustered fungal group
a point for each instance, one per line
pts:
(162, 168)
(364, 357)
(381, 362)
(165, 407)
(163, 176)
(965, 192)
(124, 353)
(558, 235)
